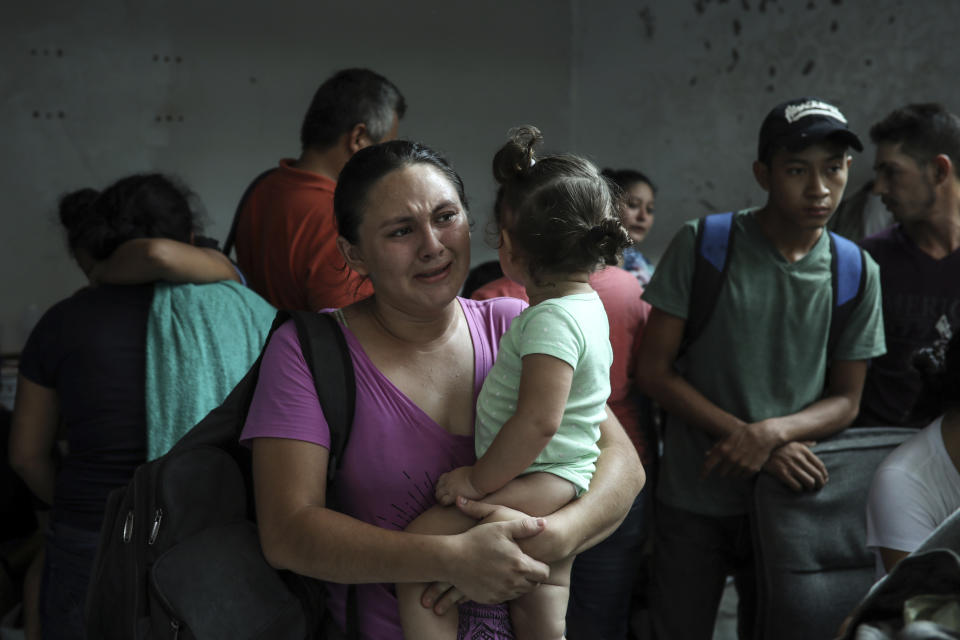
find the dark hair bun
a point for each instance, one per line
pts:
(75, 206)
(138, 206)
(605, 241)
(516, 156)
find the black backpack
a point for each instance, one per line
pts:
(179, 555)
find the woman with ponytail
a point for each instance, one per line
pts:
(539, 411)
(112, 375)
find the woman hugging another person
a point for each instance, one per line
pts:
(112, 375)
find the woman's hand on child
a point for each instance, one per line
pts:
(456, 483)
(489, 565)
(551, 545)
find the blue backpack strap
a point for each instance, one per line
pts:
(712, 249)
(848, 272)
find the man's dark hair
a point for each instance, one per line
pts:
(924, 131)
(348, 98)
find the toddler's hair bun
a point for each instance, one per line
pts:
(516, 156)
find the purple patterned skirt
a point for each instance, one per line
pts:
(484, 622)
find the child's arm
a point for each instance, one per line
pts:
(143, 260)
(544, 387)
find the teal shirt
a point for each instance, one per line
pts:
(201, 340)
(762, 354)
(574, 329)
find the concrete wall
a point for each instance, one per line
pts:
(95, 90)
(679, 89)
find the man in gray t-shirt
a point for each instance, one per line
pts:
(754, 388)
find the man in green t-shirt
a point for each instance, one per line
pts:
(752, 392)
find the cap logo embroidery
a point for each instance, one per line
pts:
(812, 108)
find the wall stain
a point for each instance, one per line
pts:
(649, 22)
(807, 68)
(892, 19)
(736, 59)
(769, 88)
(693, 81)
(868, 62)
(772, 71)
(706, 45)
(837, 2)
(698, 6)
(736, 27)
(745, 4)
(811, 6)
(834, 26)
(708, 205)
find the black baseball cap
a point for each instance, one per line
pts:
(799, 123)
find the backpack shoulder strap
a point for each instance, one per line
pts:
(712, 249)
(232, 235)
(848, 276)
(328, 356)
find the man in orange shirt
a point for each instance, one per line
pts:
(285, 232)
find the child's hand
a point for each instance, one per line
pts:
(456, 483)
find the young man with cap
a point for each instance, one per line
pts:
(757, 386)
(286, 235)
(918, 179)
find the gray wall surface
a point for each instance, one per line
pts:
(96, 90)
(679, 89)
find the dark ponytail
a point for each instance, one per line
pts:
(604, 241)
(516, 157)
(75, 213)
